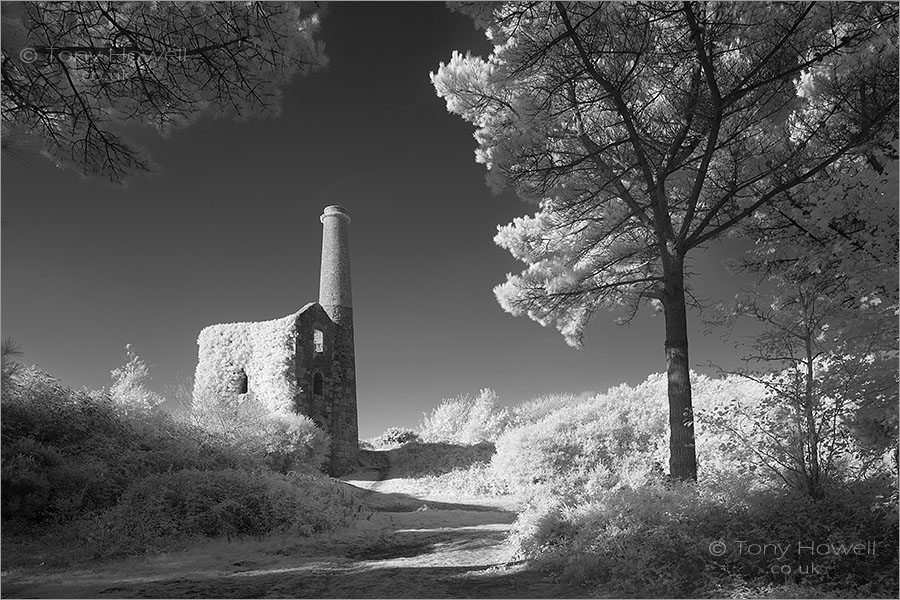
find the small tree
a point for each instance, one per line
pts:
(75, 73)
(827, 349)
(821, 360)
(129, 390)
(11, 366)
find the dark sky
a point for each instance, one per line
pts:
(229, 230)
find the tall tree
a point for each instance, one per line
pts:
(74, 73)
(645, 131)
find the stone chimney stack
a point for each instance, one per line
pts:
(336, 299)
(334, 280)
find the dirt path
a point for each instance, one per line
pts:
(406, 547)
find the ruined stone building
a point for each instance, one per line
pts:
(303, 362)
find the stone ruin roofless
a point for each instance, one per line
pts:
(302, 363)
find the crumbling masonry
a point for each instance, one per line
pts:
(304, 362)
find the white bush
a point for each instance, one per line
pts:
(287, 441)
(465, 420)
(129, 390)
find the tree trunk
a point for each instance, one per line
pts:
(809, 408)
(682, 451)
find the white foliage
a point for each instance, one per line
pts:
(608, 138)
(465, 420)
(264, 350)
(129, 390)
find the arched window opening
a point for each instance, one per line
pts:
(243, 384)
(318, 384)
(318, 341)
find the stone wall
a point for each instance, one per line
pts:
(335, 407)
(345, 428)
(263, 351)
(280, 361)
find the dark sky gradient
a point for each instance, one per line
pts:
(229, 230)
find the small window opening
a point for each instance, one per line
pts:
(318, 341)
(242, 382)
(317, 384)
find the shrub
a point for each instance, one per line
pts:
(79, 470)
(286, 441)
(786, 437)
(416, 459)
(536, 409)
(575, 450)
(162, 508)
(37, 405)
(395, 436)
(129, 390)
(294, 443)
(571, 447)
(69, 452)
(602, 511)
(476, 479)
(661, 540)
(39, 483)
(465, 420)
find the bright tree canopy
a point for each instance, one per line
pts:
(646, 130)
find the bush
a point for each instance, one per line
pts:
(80, 470)
(536, 409)
(294, 443)
(602, 511)
(51, 439)
(571, 447)
(39, 483)
(465, 420)
(664, 540)
(395, 436)
(285, 441)
(476, 479)
(417, 459)
(575, 451)
(161, 508)
(787, 438)
(67, 453)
